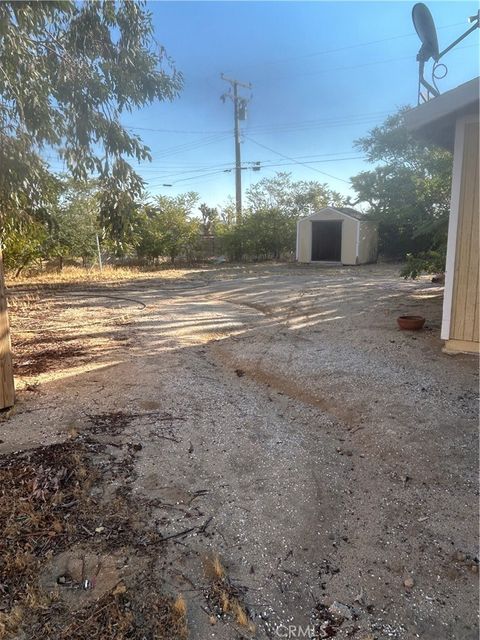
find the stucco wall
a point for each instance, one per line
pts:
(349, 236)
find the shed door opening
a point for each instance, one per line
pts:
(327, 240)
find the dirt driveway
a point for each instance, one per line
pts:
(276, 417)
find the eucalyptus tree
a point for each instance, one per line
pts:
(67, 72)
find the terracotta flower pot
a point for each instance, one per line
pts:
(411, 323)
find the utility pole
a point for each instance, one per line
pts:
(239, 113)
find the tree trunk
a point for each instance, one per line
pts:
(7, 386)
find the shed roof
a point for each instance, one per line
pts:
(350, 212)
(434, 121)
(346, 211)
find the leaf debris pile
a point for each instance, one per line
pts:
(33, 356)
(50, 503)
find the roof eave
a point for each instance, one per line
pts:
(434, 121)
(332, 209)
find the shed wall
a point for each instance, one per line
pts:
(463, 332)
(367, 243)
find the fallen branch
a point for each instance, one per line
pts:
(201, 529)
(178, 535)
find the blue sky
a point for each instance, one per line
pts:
(322, 74)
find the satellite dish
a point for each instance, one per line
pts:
(425, 28)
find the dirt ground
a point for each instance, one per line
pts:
(269, 421)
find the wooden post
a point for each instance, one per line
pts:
(99, 254)
(7, 386)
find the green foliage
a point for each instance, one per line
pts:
(68, 72)
(68, 231)
(210, 219)
(26, 219)
(266, 233)
(425, 262)
(408, 193)
(25, 245)
(75, 223)
(293, 198)
(228, 213)
(149, 246)
(167, 228)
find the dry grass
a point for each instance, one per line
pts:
(110, 274)
(24, 303)
(122, 615)
(78, 275)
(224, 599)
(180, 606)
(213, 567)
(10, 622)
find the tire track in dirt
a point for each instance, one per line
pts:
(261, 373)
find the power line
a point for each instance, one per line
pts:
(369, 64)
(351, 120)
(264, 164)
(312, 123)
(183, 169)
(282, 155)
(196, 167)
(198, 181)
(286, 164)
(211, 173)
(190, 146)
(183, 131)
(347, 47)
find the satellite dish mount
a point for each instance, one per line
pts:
(425, 28)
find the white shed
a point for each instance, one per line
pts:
(337, 234)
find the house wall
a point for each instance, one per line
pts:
(367, 243)
(461, 304)
(349, 236)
